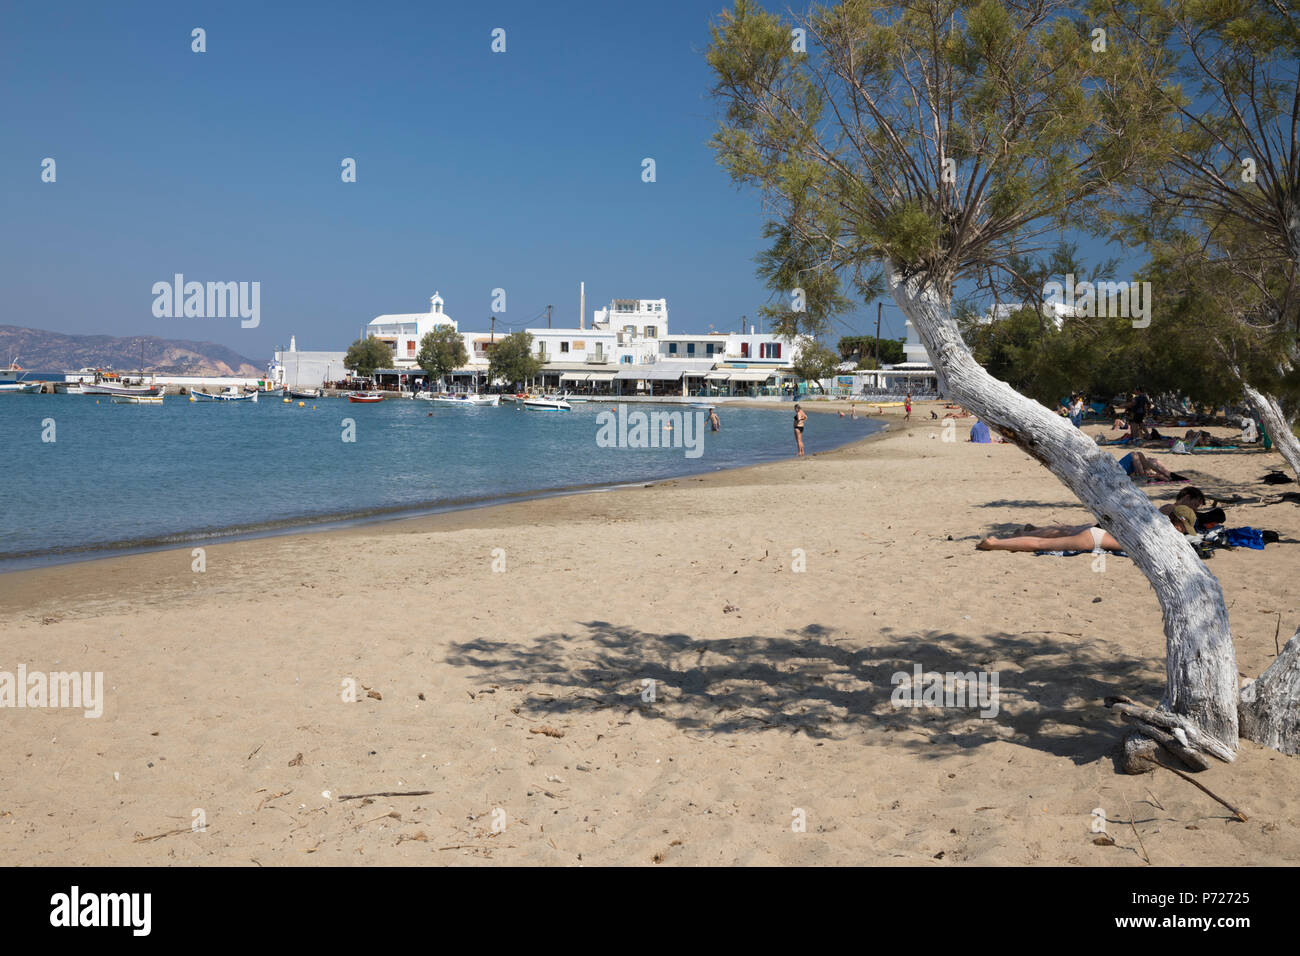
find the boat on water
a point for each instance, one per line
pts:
(543, 403)
(304, 393)
(105, 388)
(461, 399)
(365, 398)
(69, 388)
(137, 399)
(231, 394)
(20, 388)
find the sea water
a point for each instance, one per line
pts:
(83, 476)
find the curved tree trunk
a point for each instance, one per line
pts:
(1200, 667)
(1270, 707)
(1275, 421)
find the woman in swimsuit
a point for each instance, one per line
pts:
(800, 416)
(1074, 537)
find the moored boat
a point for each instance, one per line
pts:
(104, 388)
(365, 398)
(554, 403)
(69, 388)
(231, 394)
(137, 399)
(20, 388)
(304, 393)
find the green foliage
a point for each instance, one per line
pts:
(815, 361)
(864, 349)
(366, 355)
(512, 359)
(442, 351)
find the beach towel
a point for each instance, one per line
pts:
(1246, 538)
(979, 433)
(1071, 554)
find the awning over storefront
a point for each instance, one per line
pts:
(574, 377)
(650, 373)
(749, 375)
(718, 376)
(601, 376)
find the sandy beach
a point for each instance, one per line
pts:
(503, 660)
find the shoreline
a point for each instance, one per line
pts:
(17, 581)
(327, 522)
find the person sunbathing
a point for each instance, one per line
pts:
(1138, 465)
(1081, 537)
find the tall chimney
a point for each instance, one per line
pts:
(582, 305)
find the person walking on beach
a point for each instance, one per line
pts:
(800, 416)
(907, 405)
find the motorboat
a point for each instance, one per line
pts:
(231, 394)
(137, 399)
(543, 403)
(365, 398)
(69, 388)
(20, 388)
(304, 393)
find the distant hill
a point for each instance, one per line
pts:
(52, 351)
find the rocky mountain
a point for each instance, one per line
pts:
(55, 351)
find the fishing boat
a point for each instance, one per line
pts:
(304, 393)
(365, 397)
(137, 399)
(69, 388)
(231, 394)
(104, 388)
(20, 388)
(553, 403)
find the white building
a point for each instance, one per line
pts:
(403, 331)
(305, 369)
(627, 350)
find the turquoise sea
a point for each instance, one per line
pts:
(122, 477)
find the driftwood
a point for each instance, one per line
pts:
(1174, 732)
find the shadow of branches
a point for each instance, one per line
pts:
(813, 680)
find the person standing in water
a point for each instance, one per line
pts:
(800, 416)
(714, 423)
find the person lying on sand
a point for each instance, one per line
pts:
(1138, 465)
(1076, 537)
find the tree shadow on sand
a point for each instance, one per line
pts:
(815, 681)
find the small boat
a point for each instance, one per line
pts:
(104, 388)
(20, 388)
(304, 393)
(365, 397)
(69, 388)
(554, 403)
(137, 399)
(231, 394)
(461, 399)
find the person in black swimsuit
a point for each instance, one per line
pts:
(800, 416)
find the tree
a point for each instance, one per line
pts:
(815, 361)
(1231, 181)
(442, 351)
(366, 355)
(923, 143)
(864, 349)
(512, 359)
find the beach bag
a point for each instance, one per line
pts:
(1180, 448)
(1246, 538)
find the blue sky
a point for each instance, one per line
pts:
(475, 170)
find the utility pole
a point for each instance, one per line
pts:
(742, 325)
(548, 316)
(493, 320)
(880, 307)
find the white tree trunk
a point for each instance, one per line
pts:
(1270, 706)
(1200, 666)
(1275, 422)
